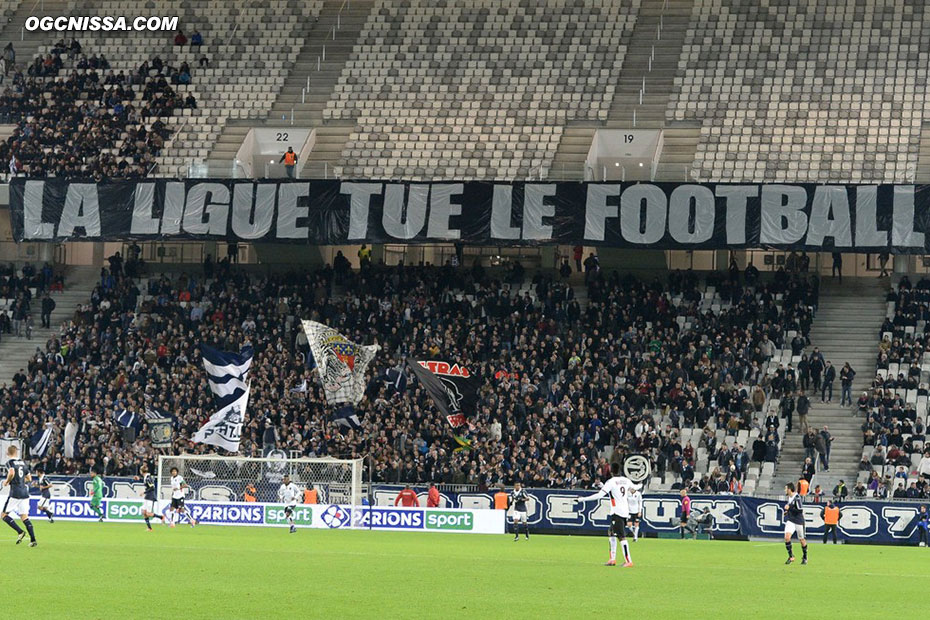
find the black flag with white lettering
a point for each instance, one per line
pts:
(452, 387)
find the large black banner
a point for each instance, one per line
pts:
(867, 218)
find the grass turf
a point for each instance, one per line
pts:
(107, 570)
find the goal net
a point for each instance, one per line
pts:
(214, 478)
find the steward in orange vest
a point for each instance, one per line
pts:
(831, 517)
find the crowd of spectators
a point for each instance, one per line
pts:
(76, 117)
(895, 410)
(562, 384)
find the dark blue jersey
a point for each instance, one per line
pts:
(149, 481)
(518, 500)
(44, 481)
(794, 512)
(18, 487)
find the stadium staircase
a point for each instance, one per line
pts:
(679, 145)
(347, 18)
(15, 352)
(569, 161)
(674, 17)
(846, 329)
(27, 43)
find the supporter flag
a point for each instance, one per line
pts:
(39, 442)
(452, 387)
(460, 444)
(394, 379)
(346, 416)
(70, 441)
(127, 419)
(226, 374)
(160, 424)
(300, 389)
(341, 363)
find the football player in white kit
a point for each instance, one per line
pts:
(289, 494)
(178, 491)
(635, 501)
(619, 489)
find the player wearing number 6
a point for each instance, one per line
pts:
(618, 488)
(17, 504)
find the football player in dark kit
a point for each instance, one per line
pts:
(17, 504)
(794, 523)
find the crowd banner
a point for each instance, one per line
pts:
(319, 516)
(548, 510)
(864, 218)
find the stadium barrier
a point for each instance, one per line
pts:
(553, 511)
(319, 516)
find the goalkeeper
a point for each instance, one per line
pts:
(96, 493)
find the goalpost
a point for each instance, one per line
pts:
(214, 478)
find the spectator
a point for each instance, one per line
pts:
(837, 270)
(48, 306)
(840, 492)
(847, 374)
(758, 449)
(180, 39)
(807, 471)
(900, 492)
(591, 267)
(825, 451)
(810, 445)
(829, 376)
(883, 264)
(577, 254)
(817, 367)
(804, 405)
(787, 410)
(196, 39)
(290, 161)
(817, 495)
(364, 257)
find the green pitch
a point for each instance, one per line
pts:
(104, 570)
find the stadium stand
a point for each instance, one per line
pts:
(895, 411)
(248, 50)
(668, 364)
(768, 80)
(455, 89)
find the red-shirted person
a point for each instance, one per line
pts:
(432, 498)
(407, 498)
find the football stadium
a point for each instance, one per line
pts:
(461, 308)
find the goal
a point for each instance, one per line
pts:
(213, 478)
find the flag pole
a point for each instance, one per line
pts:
(371, 471)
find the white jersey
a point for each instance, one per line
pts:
(619, 489)
(635, 502)
(289, 494)
(177, 492)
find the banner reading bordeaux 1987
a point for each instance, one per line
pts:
(865, 218)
